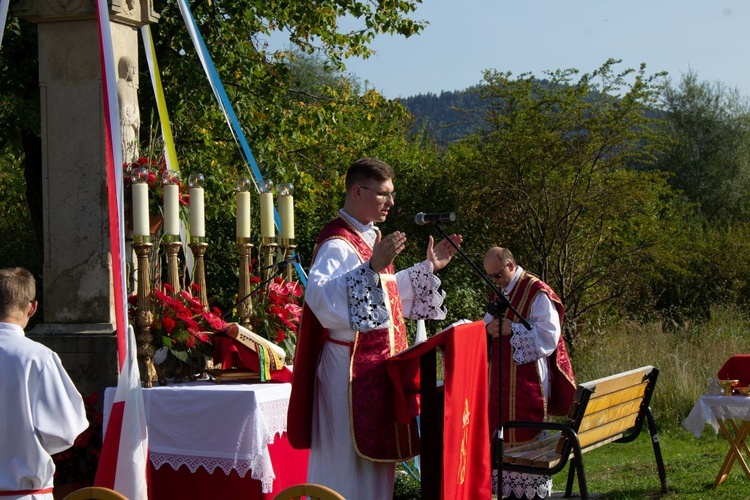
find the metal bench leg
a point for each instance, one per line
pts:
(657, 451)
(571, 478)
(576, 467)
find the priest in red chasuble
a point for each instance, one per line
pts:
(537, 377)
(342, 405)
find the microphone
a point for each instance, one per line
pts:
(422, 218)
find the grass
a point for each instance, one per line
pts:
(687, 357)
(628, 471)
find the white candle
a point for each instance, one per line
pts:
(286, 212)
(171, 208)
(267, 229)
(197, 212)
(141, 223)
(243, 214)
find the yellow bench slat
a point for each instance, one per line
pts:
(598, 418)
(605, 431)
(598, 402)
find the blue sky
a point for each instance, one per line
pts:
(465, 37)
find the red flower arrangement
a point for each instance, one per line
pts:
(277, 312)
(78, 463)
(180, 325)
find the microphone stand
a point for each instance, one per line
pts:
(498, 444)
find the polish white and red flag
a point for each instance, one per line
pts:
(123, 464)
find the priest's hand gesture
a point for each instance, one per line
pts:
(442, 253)
(386, 249)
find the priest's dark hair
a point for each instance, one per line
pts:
(368, 169)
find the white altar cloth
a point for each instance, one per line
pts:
(204, 424)
(711, 409)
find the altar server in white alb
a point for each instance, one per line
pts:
(42, 413)
(341, 405)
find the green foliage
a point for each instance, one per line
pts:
(687, 356)
(708, 126)
(406, 487)
(305, 122)
(550, 176)
(15, 224)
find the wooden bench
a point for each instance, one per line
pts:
(610, 409)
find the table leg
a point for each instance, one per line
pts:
(741, 434)
(736, 445)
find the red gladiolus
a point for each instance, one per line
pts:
(190, 342)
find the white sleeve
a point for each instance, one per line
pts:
(542, 339)
(59, 413)
(343, 292)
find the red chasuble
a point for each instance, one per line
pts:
(523, 397)
(377, 434)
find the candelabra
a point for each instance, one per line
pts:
(245, 306)
(199, 246)
(171, 244)
(145, 349)
(268, 255)
(287, 248)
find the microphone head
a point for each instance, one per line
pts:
(422, 218)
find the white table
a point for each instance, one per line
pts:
(723, 413)
(203, 424)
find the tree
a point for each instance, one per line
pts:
(708, 126)
(552, 177)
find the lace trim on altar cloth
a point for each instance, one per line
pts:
(523, 485)
(428, 298)
(274, 413)
(227, 465)
(367, 310)
(524, 346)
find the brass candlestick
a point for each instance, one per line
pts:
(143, 338)
(268, 254)
(245, 307)
(199, 246)
(172, 244)
(287, 249)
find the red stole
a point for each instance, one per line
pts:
(377, 435)
(523, 397)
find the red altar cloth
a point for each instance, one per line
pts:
(736, 368)
(290, 467)
(466, 444)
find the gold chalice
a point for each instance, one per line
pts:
(727, 385)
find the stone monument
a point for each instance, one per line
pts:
(79, 306)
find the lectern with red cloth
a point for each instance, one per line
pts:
(455, 445)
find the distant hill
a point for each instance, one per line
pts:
(448, 116)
